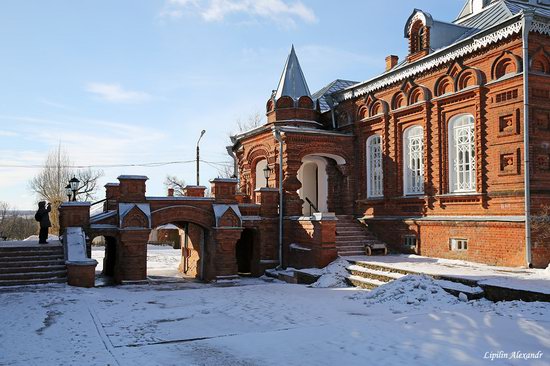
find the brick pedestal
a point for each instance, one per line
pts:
(81, 274)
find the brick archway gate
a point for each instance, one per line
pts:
(128, 216)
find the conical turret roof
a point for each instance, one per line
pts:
(293, 83)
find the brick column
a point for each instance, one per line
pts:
(194, 191)
(225, 259)
(131, 254)
(224, 190)
(112, 195)
(74, 214)
(132, 188)
(291, 185)
(268, 198)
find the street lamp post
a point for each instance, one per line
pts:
(198, 156)
(267, 173)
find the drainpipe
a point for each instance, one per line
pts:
(234, 157)
(278, 137)
(526, 26)
(330, 103)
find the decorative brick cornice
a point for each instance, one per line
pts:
(472, 46)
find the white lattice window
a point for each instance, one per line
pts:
(375, 173)
(413, 174)
(462, 158)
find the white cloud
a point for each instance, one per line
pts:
(281, 11)
(115, 93)
(4, 133)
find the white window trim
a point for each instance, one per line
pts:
(414, 133)
(458, 244)
(372, 190)
(468, 182)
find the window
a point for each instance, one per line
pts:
(410, 241)
(413, 147)
(462, 159)
(375, 174)
(458, 244)
(420, 39)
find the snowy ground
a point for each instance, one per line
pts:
(411, 321)
(537, 280)
(162, 260)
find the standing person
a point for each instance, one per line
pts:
(43, 217)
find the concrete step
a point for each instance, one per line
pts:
(32, 269)
(30, 258)
(32, 281)
(383, 276)
(358, 281)
(30, 262)
(32, 275)
(345, 253)
(29, 253)
(383, 268)
(359, 248)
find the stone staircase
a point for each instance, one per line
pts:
(370, 276)
(32, 264)
(353, 238)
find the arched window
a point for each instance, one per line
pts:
(462, 158)
(375, 173)
(413, 147)
(420, 39)
(260, 178)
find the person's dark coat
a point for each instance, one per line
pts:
(43, 215)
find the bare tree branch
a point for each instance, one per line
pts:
(49, 184)
(175, 183)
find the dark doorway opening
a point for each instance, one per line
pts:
(244, 252)
(109, 262)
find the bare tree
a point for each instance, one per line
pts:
(175, 183)
(14, 224)
(49, 184)
(252, 121)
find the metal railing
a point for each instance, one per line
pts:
(311, 206)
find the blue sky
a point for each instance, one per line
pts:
(126, 81)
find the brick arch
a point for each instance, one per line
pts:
(419, 94)
(362, 113)
(183, 213)
(257, 153)
(506, 63)
(285, 102)
(468, 77)
(378, 107)
(444, 85)
(270, 105)
(332, 153)
(305, 102)
(540, 62)
(399, 100)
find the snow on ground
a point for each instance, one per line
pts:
(265, 324)
(537, 280)
(333, 275)
(162, 260)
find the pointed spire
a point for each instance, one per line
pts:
(293, 83)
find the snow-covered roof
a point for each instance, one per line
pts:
(327, 90)
(498, 20)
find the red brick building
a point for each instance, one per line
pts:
(447, 153)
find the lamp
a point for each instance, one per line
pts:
(74, 182)
(198, 155)
(68, 192)
(267, 173)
